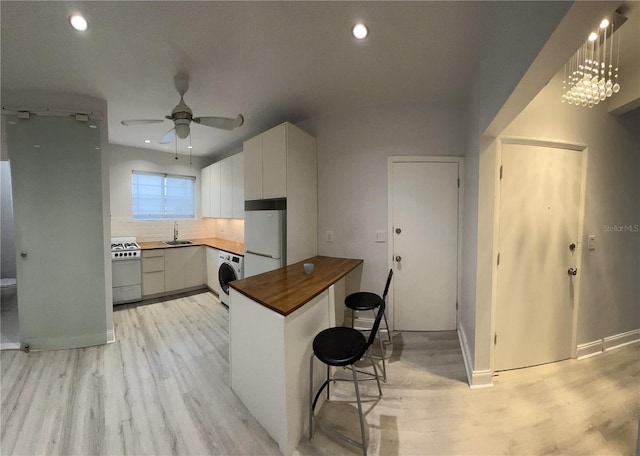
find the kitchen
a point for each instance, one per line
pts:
(354, 146)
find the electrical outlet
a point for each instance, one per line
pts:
(329, 236)
(381, 236)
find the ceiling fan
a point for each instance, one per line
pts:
(182, 116)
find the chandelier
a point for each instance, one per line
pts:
(590, 75)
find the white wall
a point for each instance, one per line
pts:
(122, 161)
(352, 173)
(609, 286)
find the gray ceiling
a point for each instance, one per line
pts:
(270, 61)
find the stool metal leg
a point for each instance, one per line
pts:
(355, 382)
(311, 398)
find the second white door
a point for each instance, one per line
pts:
(424, 199)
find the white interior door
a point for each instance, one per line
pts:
(425, 245)
(539, 210)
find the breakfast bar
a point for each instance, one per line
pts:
(273, 318)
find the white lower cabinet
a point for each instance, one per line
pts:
(212, 270)
(152, 272)
(184, 268)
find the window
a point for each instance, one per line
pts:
(162, 196)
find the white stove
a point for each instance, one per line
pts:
(126, 271)
(124, 248)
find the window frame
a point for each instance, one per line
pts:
(165, 206)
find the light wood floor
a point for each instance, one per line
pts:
(162, 388)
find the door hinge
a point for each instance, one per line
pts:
(458, 182)
(495, 338)
(500, 172)
(456, 305)
(498, 260)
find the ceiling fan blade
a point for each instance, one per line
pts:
(168, 136)
(223, 123)
(129, 123)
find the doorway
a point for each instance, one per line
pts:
(9, 336)
(424, 211)
(538, 254)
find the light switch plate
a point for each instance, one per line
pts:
(592, 242)
(381, 236)
(329, 236)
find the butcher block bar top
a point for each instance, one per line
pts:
(287, 289)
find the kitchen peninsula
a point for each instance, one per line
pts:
(273, 318)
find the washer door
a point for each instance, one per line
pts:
(226, 274)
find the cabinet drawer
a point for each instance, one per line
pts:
(153, 253)
(153, 264)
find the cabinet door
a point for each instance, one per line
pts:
(194, 266)
(152, 283)
(226, 188)
(175, 260)
(253, 168)
(274, 162)
(205, 192)
(215, 190)
(237, 199)
(212, 270)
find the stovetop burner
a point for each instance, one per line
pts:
(124, 246)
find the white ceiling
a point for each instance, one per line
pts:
(270, 61)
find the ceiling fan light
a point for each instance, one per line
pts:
(182, 130)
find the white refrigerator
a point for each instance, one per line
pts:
(264, 241)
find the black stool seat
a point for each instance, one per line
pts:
(362, 300)
(339, 346)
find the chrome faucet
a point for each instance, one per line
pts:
(175, 230)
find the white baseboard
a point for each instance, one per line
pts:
(599, 346)
(589, 349)
(111, 336)
(622, 339)
(476, 379)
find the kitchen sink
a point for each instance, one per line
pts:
(178, 242)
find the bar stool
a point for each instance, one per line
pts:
(342, 346)
(365, 300)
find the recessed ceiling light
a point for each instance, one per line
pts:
(593, 36)
(147, 141)
(604, 23)
(189, 147)
(360, 31)
(79, 22)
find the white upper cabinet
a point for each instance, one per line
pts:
(222, 188)
(237, 192)
(272, 158)
(226, 188)
(205, 192)
(274, 162)
(215, 190)
(253, 168)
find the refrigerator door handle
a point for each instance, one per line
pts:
(260, 254)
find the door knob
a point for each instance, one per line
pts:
(398, 231)
(398, 258)
(572, 246)
(572, 271)
(23, 254)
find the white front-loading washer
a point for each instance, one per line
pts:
(230, 268)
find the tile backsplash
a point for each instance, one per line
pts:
(162, 230)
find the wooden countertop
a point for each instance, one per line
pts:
(234, 247)
(287, 289)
